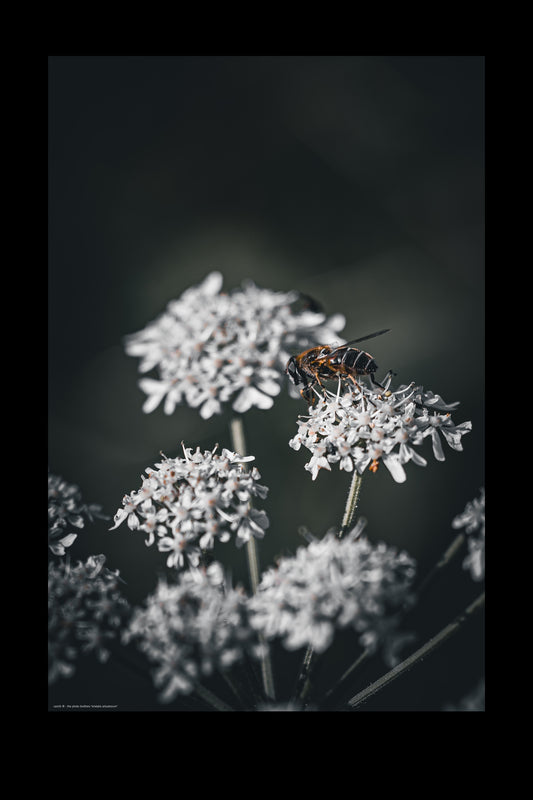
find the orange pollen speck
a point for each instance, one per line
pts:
(374, 466)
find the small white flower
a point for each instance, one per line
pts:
(181, 549)
(187, 504)
(210, 348)
(128, 512)
(248, 522)
(473, 517)
(361, 429)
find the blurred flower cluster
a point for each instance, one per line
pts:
(86, 612)
(210, 348)
(190, 628)
(334, 583)
(360, 428)
(66, 509)
(473, 521)
(187, 504)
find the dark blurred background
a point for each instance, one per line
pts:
(356, 179)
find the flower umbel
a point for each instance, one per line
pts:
(359, 429)
(210, 348)
(191, 628)
(187, 504)
(66, 510)
(85, 613)
(334, 583)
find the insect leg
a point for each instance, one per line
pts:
(351, 377)
(373, 381)
(307, 392)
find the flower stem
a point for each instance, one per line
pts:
(416, 657)
(303, 683)
(239, 446)
(446, 558)
(351, 503)
(211, 699)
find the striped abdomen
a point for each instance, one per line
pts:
(355, 361)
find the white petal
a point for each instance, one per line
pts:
(394, 465)
(133, 522)
(243, 400)
(212, 284)
(155, 390)
(407, 453)
(438, 452)
(66, 541)
(151, 403)
(119, 518)
(209, 408)
(206, 541)
(170, 403)
(269, 386)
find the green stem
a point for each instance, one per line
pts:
(239, 446)
(351, 503)
(416, 657)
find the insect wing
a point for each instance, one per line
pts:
(368, 336)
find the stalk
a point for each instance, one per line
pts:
(415, 658)
(211, 699)
(239, 446)
(351, 503)
(446, 558)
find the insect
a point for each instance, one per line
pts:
(328, 361)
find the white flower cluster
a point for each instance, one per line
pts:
(473, 521)
(334, 583)
(210, 348)
(191, 628)
(85, 612)
(187, 504)
(66, 509)
(360, 429)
